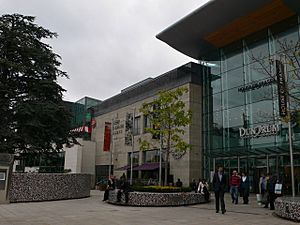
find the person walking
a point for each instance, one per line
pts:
(235, 181)
(271, 191)
(219, 186)
(245, 188)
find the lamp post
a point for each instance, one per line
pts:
(279, 67)
(132, 149)
(110, 152)
(160, 157)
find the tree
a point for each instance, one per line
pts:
(289, 55)
(168, 118)
(33, 117)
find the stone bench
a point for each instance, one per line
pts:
(157, 199)
(288, 207)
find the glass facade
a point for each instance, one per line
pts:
(240, 95)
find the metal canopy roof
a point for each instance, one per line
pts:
(198, 33)
(263, 150)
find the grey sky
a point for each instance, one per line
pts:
(107, 45)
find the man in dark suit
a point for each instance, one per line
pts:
(219, 186)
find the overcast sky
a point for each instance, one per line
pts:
(107, 45)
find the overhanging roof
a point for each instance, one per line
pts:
(221, 22)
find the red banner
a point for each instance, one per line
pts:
(107, 136)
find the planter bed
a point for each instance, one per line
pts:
(157, 199)
(288, 208)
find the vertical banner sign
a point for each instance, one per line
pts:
(107, 137)
(128, 129)
(281, 85)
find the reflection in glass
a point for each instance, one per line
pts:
(286, 40)
(233, 137)
(217, 120)
(263, 93)
(262, 112)
(217, 102)
(233, 78)
(233, 98)
(234, 117)
(232, 58)
(216, 83)
(258, 71)
(258, 50)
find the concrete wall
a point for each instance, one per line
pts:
(30, 187)
(73, 158)
(81, 158)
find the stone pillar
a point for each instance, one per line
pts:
(6, 163)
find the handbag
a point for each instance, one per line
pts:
(278, 188)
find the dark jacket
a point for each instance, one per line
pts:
(220, 185)
(245, 185)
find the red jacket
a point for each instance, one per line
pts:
(235, 181)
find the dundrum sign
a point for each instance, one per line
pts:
(259, 131)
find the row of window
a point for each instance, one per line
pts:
(149, 156)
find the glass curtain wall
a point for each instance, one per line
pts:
(240, 93)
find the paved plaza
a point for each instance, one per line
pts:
(92, 211)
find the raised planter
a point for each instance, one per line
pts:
(30, 187)
(157, 199)
(288, 207)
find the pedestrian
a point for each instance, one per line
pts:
(266, 195)
(178, 183)
(271, 191)
(245, 188)
(110, 186)
(235, 181)
(124, 189)
(262, 184)
(204, 190)
(219, 186)
(193, 185)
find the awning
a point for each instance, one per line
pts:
(127, 167)
(254, 151)
(148, 166)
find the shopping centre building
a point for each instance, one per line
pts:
(244, 101)
(236, 93)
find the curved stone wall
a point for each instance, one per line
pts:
(157, 199)
(29, 187)
(288, 207)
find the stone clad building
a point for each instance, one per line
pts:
(119, 111)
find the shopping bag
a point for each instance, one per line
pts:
(278, 188)
(258, 198)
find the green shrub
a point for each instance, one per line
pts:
(161, 189)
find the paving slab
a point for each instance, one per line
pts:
(92, 211)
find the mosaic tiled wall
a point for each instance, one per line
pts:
(28, 187)
(157, 199)
(288, 207)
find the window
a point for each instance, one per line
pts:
(137, 125)
(2, 175)
(135, 158)
(147, 123)
(151, 156)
